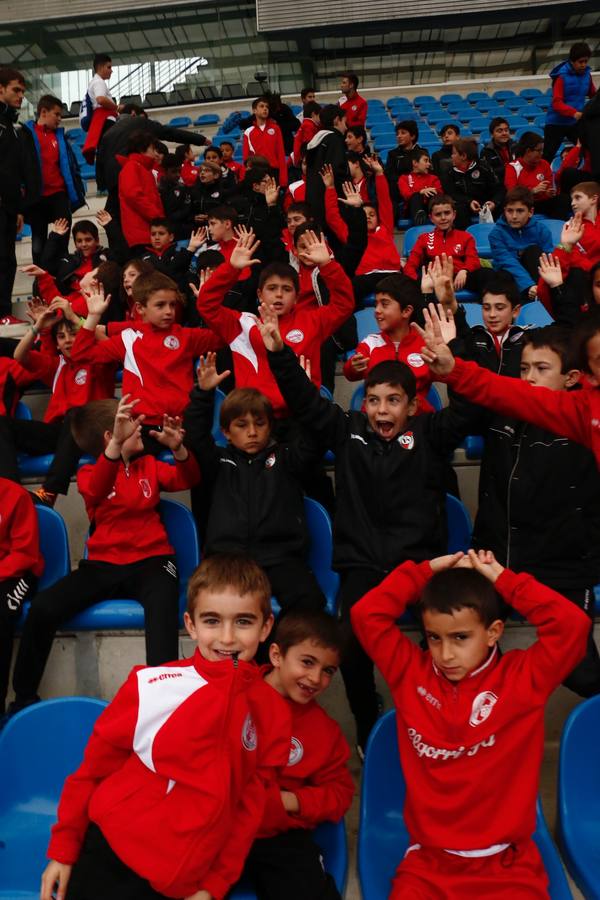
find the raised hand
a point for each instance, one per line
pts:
(306, 364)
(484, 562)
(60, 226)
(172, 433)
(572, 231)
(67, 310)
(103, 217)
(427, 279)
(271, 191)
(40, 315)
(268, 325)
(32, 270)
(435, 351)
(125, 423)
(208, 377)
(316, 252)
(352, 195)
(440, 563)
(550, 270)
(442, 273)
(374, 164)
(326, 174)
(197, 238)
(97, 302)
(359, 363)
(244, 250)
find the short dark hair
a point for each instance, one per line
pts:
(100, 59)
(224, 214)
(209, 259)
(162, 222)
(590, 188)
(301, 207)
(302, 229)
(8, 74)
(557, 339)
(502, 283)
(395, 373)
(580, 50)
(281, 270)
(313, 625)
(226, 144)
(89, 422)
(311, 107)
(453, 589)
(330, 113)
(242, 401)
(498, 120)
(130, 108)
(358, 131)
(408, 125)
(352, 78)
(180, 151)
(63, 323)
(519, 194)
(139, 141)
(588, 327)
(147, 285)
(449, 126)
(224, 570)
(171, 161)
(262, 99)
(404, 290)
(48, 102)
(467, 147)
(440, 199)
(305, 91)
(529, 140)
(85, 226)
(216, 149)
(416, 154)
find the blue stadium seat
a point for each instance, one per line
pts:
(533, 113)
(473, 314)
(39, 747)
(503, 95)
(531, 94)
(518, 122)
(125, 614)
(365, 323)
(77, 135)
(207, 119)
(423, 99)
(445, 99)
(296, 108)
(54, 546)
(25, 232)
(579, 797)
(358, 396)
(556, 226)
(481, 233)
(412, 234)
(476, 96)
(597, 599)
(459, 525)
(331, 838)
(382, 835)
(180, 122)
(22, 411)
(375, 104)
(516, 104)
(473, 446)
(534, 314)
(480, 125)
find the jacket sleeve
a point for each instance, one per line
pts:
(562, 629)
(349, 372)
(223, 321)
(87, 349)
(51, 253)
(40, 365)
(197, 422)
(245, 147)
(413, 264)
(333, 218)
(505, 257)
(561, 412)
(132, 192)
(558, 99)
(404, 188)
(97, 481)
(185, 474)
(375, 617)
(107, 750)
(322, 417)
(181, 136)
(23, 552)
(329, 797)
(341, 300)
(510, 177)
(384, 203)
(449, 426)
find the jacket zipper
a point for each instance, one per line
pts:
(508, 494)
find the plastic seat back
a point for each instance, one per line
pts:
(534, 314)
(459, 525)
(39, 747)
(54, 546)
(481, 233)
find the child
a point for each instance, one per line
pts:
(208, 191)
(316, 785)
(256, 501)
(471, 183)
(311, 123)
(571, 85)
(72, 383)
(553, 534)
(214, 155)
(227, 149)
(399, 159)
(128, 551)
(441, 159)
(69, 269)
(187, 158)
(138, 194)
(356, 140)
(327, 148)
(351, 102)
(418, 187)
(222, 222)
(518, 239)
(265, 139)
(500, 149)
(467, 717)
(164, 255)
(579, 246)
(446, 239)
(157, 353)
(531, 171)
(390, 469)
(170, 793)
(20, 567)
(176, 198)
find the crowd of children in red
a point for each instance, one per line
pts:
(203, 769)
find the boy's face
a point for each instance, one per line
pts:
(160, 309)
(501, 134)
(498, 314)
(249, 433)
(422, 165)
(64, 340)
(580, 65)
(354, 143)
(86, 243)
(459, 160)
(582, 203)
(388, 409)
(356, 173)
(226, 625)
(543, 367)
(443, 215)
(388, 314)
(372, 218)
(227, 152)
(294, 220)
(340, 123)
(130, 273)
(160, 237)
(51, 118)
(12, 94)
(89, 283)
(532, 156)
(279, 293)
(172, 174)
(448, 137)
(208, 175)
(219, 229)
(517, 214)
(309, 98)
(404, 138)
(304, 672)
(593, 354)
(459, 643)
(213, 157)
(261, 110)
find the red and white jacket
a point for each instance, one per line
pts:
(455, 737)
(13, 381)
(296, 193)
(175, 774)
(305, 133)
(266, 140)
(460, 245)
(304, 329)
(516, 173)
(413, 183)
(138, 197)
(237, 168)
(584, 254)
(355, 109)
(316, 772)
(189, 172)
(121, 502)
(157, 363)
(379, 347)
(19, 540)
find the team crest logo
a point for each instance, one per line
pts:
(270, 461)
(458, 248)
(270, 131)
(415, 360)
(407, 440)
(482, 707)
(249, 736)
(296, 752)
(171, 342)
(476, 174)
(295, 336)
(146, 488)
(540, 176)
(81, 376)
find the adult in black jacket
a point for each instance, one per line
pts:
(254, 487)
(115, 142)
(390, 470)
(20, 179)
(327, 147)
(471, 183)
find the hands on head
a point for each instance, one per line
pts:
(483, 561)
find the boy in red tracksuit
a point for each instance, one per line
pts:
(444, 238)
(419, 186)
(157, 353)
(396, 299)
(316, 785)
(72, 384)
(311, 123)
(354, 106)
(227, 149)
(530, 171)
(139, 198)
(467, 718)
(128, 551)
(265, 139)
(172, 786)
(20, 567)
(304, 330)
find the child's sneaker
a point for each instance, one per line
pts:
(43, 497)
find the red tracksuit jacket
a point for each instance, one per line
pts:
(316, 772)
(574, 415)
(175, 774)
(189, 173)
(460, 245)
(305, 133)
(412, 183)
(157, 363)
(19, 542)
(266, 140)
(121, 502)
(471, 751)
(515, 173)
(355, 109)
(139, 198)
(304, 329)
(13, 380)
